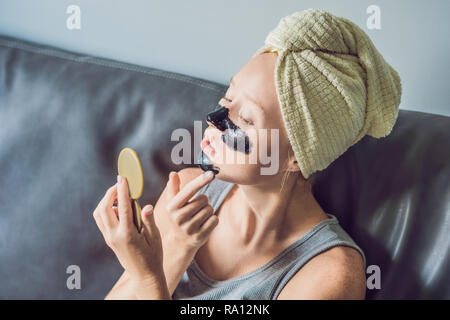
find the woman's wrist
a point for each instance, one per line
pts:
(151, 287)
(172, 244)
(176, 261)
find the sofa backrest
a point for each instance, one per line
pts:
(392, 196)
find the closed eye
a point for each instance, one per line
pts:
(245, 120)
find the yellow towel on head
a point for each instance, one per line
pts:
(333, 86)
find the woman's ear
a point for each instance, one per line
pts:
(292, 164)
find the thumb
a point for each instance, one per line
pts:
(148, 218)
(173, 184)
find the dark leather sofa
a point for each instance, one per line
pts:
(64, 117)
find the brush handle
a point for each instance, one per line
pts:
(136, 214)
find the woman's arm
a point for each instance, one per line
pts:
(122, 290)
(175, 263)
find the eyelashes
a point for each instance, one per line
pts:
(247, 122)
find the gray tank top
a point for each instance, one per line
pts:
(266, 282)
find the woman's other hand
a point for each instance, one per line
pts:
(191, 221)
(139, 253)
(185, 224)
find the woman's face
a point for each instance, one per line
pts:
(253, 111)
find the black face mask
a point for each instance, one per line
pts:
(233, 137)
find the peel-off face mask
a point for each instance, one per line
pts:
(234, 137)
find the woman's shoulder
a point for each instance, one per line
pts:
(337, 273)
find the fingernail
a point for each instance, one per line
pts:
(148, 211)
(119, 179)
(209, 174)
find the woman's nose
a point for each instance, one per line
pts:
(218, 118)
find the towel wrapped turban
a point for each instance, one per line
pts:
(333, 86)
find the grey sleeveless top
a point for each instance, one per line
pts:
(266, 282)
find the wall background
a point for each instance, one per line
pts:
(213, 39)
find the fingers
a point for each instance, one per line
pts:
(108, 216)
(110, 196)
(182, 197)
(207, 227)
(173, 184)
(124, 203)
(185, 214)
(149, 220)
(98, 221)
(199, 219)
(150, 230)
(104, 213)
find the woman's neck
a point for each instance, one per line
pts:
(265, 215)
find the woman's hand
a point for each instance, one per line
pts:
(185, 223)
(191, 221)
(139, 253)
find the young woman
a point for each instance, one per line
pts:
(241, 234)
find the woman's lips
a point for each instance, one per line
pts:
(206, 147)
